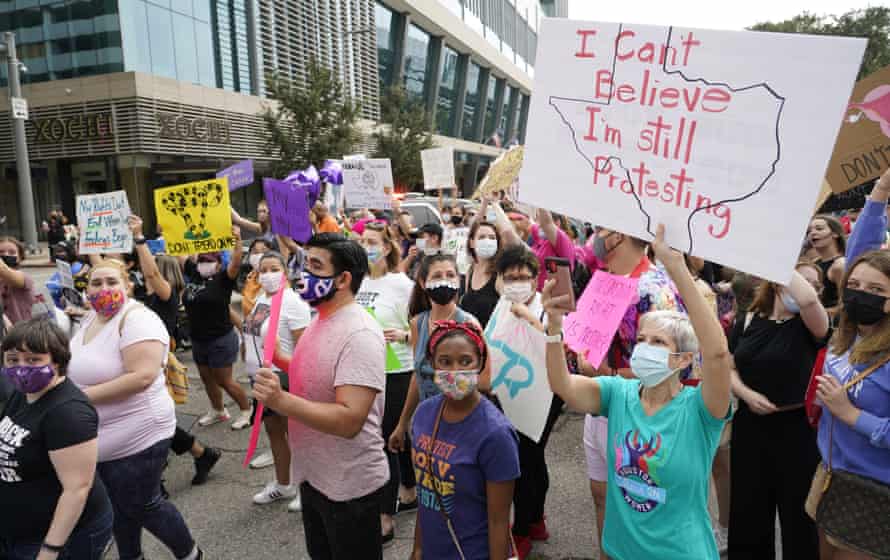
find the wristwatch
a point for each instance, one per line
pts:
(139, 240)
(554, 338)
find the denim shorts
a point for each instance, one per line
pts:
(217, 352)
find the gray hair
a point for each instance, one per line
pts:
(676, 325)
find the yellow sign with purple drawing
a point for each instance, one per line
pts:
(196, 217)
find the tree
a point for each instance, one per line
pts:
(311, 122)
(871, 23)
(407, 131)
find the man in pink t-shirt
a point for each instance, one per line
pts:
(337, 377)
(548, 240)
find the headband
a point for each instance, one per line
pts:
(443, 328)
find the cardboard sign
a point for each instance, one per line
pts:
(196, 217)
(368, 183)
(288, 209)
(723, 136)
(102, 221)
(591, 328)
(455, 243)
(438, 168)
(239, 175)
(66, 279)
(519, 370)
(862, 151)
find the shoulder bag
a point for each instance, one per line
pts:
(854, 509)
(174, 372)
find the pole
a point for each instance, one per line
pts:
(26, 197)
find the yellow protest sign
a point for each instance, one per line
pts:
(196, 217)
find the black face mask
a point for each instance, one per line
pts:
(442, 294)
(457, 220)
(863, 308)
(11, 261)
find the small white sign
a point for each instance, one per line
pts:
(438, 168)
(19, 108)
(368, 183)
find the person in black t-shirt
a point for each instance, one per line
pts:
(164, 286)
(54, 506)
(207, 298)
(773, 449)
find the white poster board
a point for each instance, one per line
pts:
(519, 370)
(723, 136)
(438, 168)
(102, 221)
(66, 279)
(455, 243)
(368, 183)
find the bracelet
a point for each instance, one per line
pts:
(139, 240)
(553, 338)
(52, 547)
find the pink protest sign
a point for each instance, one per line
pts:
(269, 345)
(600, 309)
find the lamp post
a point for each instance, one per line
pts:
(28, 217)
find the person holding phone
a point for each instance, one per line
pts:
(624, 256)
(547, 240)
(662, 434)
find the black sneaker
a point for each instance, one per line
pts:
(404, 507)
(204, 464)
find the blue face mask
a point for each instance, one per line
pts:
(317, 289)
(791, 305)
(374, 254)
(650, 364)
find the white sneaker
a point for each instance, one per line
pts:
(214, 417)
(243, 420)
(295, 505)
(262, 461)
(721, 535)
(274, 492)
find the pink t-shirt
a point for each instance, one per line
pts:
(344, 349)
(139, 421)
(543, 248)
(17, 302)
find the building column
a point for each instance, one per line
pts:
(511, 115)
(523, 118)
(434, 77)
(401, 24)
(460, 100)
(468, 183)
(135, 174)
(482, 107)
(499, 106)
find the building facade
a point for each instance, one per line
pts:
(138, 94)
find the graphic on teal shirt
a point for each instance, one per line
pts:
(514, 360)
(637, 460)
(392, 360)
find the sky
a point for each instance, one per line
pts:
(707, 14)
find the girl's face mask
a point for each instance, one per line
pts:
(456, 385)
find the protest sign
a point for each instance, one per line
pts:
(288, 209)
(66, 279)
(102, 220)
(723, 136)
(502, 174)
(239, 175)
(862, 151)
(519, 370)
(196, 217)
(368, 183)
(590, 329)
(455, 243)
(438, 168)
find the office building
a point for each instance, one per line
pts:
(136, 94)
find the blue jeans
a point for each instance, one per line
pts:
(134, 486)
(86, 543)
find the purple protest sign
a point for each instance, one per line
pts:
(289, 209)
(240, 174)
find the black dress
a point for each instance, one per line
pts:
(480, 303)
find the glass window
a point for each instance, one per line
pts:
(186, 51)
(490, 108)
(416, 60)
(204, 43)
(137, 51)
(447, 91)
(160, 30)
(505, 113)
(202, 9)
(386, 44)
(471, 103)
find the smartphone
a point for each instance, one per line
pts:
(560, 269)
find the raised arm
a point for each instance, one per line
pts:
(11, 277)
(147, 263)
(509, 237)
(547, 225)
(870, 230)
(811, 310)
(712, 342)
(244, 223)
(237, 253)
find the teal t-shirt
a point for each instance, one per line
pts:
(659, 467)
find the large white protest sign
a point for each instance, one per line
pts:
(723, 136)
(102, 220)
(438, 168)
(519, 370)
(367, 183)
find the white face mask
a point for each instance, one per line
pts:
(486, 248)
(270, 281)
(207, 269)
(518, 292)
(254, 260)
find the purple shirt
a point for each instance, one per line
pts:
(480, 448)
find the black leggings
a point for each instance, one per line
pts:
(773, 460)
(400, 468)
(530, 491)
